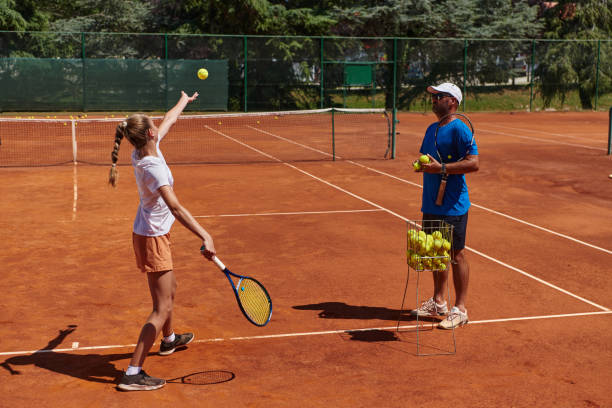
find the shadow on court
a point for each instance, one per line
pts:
(339, 310)
(89, 367)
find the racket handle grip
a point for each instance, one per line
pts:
(218, 262)
(214, 259)
(441, 191)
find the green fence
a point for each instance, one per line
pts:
(46, 71)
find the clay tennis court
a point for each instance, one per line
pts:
(328, 239)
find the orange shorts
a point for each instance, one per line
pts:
(152, 253)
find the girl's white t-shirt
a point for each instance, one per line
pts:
(153, 217)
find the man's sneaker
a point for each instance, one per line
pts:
(165, 349)
(454, 319)
(430, 308)
(140, 382)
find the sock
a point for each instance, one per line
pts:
(131, 370)
(170, 338)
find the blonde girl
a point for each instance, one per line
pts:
(158, 209)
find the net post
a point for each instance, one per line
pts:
(393, 132)
(74, 143)
(610, 132)
(333, 136)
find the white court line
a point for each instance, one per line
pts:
(289, 213)
(401, 217)
(420, 186)
(494, 212)
(545, 140)
(266, 214)
(293, 142)
(539, 131)
(314, 333)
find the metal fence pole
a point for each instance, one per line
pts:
(394, 96)
(166, 68)
(465, 46)
(533, 47)
(84, 71)
(246, 109)
(597, 73)
(321, 86)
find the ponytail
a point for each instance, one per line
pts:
(119, 135)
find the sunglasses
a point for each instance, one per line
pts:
(438, 96)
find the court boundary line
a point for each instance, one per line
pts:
(292, 213)
(399, 216)
(541, 132)
(314, 333)
(361, 210)
(545, 140)
(576, 240)
(420, 186)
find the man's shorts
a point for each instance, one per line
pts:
(459, 223)
(152, 253)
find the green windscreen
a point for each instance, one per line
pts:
(110, 84)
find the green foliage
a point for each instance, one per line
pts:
(11, 19)
(566, 65)
(105, 16)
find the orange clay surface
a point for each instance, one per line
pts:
(328, 240)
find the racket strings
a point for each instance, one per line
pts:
(255, 301)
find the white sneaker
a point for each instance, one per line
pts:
(454, 319)
(430, 308)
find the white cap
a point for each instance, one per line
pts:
(448, 88)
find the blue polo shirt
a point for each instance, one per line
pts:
(454, 143)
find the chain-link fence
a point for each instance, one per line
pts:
(45, 71)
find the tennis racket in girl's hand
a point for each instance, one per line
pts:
(253, 299)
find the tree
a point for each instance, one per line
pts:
(10, 18)
(569, 65)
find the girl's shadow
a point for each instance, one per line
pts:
(90, 367)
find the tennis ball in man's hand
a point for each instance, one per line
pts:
(416, 165)
(424, 159)
(202, 73)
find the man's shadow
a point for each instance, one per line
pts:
(339, 310)
(89, 367)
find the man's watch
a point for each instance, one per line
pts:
(443, 170)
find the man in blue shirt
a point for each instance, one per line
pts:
(452, 154)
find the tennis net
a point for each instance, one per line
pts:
(324, 134)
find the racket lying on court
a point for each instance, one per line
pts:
(465, 120)
(253, 299)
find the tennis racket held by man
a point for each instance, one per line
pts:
(252, 297)
(466, 120)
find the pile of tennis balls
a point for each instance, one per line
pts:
(418, 164)
(428, 251)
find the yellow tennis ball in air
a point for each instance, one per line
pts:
(202, 73)
(424, 159)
